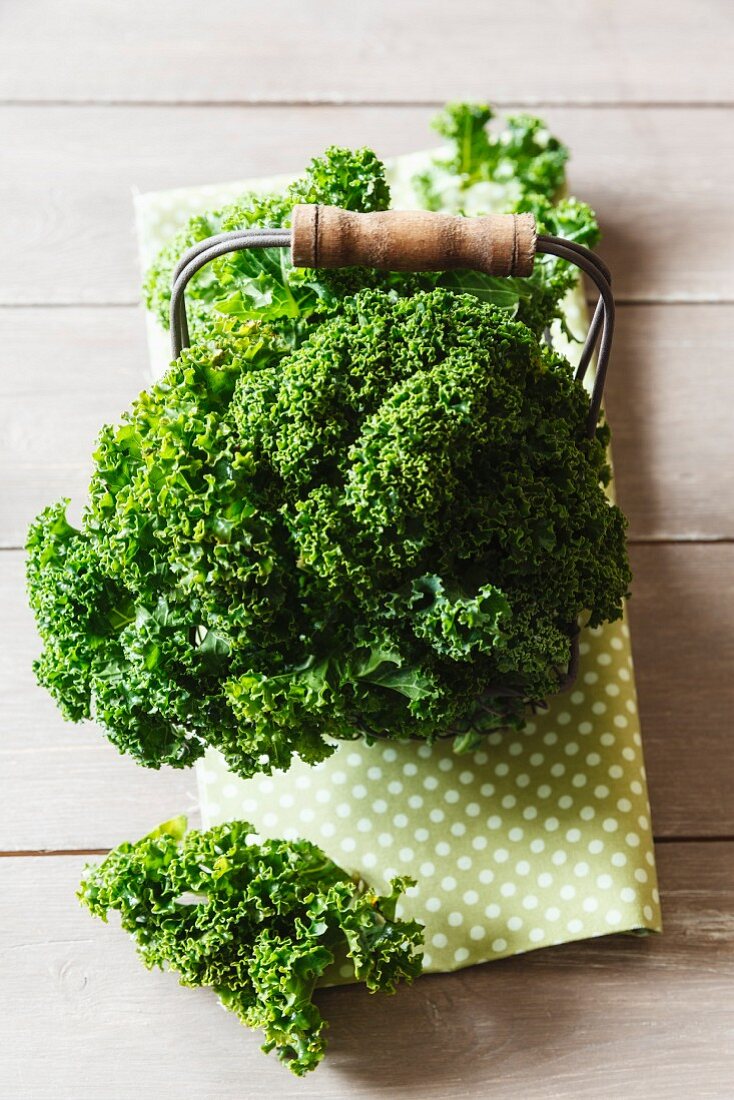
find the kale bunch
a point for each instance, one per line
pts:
(259, 922)
(361, 504)
(385, 532)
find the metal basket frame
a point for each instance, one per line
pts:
(598, 340)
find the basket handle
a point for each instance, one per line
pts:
(412, 240)
(423, 240)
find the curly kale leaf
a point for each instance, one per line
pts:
(536, 300)
(524, 158)
(351, 178)
(259, 922)
(78, 610)
(520, 168)
(261, 284)
(455, 624)
(464, 126)
(541, 296)
(203, 289)
(186, 550)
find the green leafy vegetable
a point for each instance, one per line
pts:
(261, 284)
(520, 168)
(387, 532)
(259, 922)
(359, 504)
(524, 157)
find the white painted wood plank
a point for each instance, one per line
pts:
(660, 180)
(619, 1018)
(669, 397)
(337, 50)
(66, 373)
(682, 622)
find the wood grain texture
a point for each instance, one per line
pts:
(66, 372)
(682, 618)
(341, 50)
(412, 240)
(683, 608)
(659, 180)
(669, 396)
(617, 1018)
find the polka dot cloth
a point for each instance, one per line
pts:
(542, 837)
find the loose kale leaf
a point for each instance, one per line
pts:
(524, 157)
(259, 922)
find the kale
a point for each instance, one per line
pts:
(258, 921)
(517, 169)
(261, 285)
(525, 157)
(384, 532)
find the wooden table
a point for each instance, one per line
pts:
(96, 98)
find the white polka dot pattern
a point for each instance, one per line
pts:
(541, 838)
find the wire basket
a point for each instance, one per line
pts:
(395, 240)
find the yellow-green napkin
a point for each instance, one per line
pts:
(543, 837)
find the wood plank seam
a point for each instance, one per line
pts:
(340, 101)
(45, 853)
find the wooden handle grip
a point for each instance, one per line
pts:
(413, 240)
